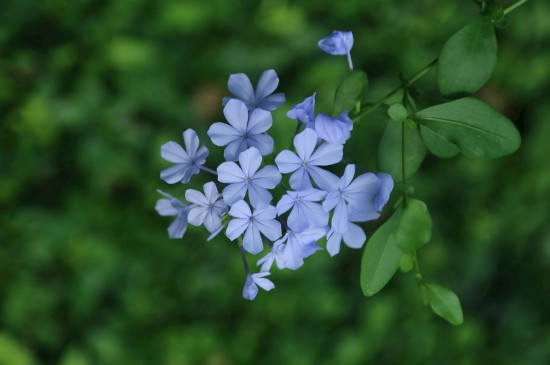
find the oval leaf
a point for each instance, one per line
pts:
(381, 257)
(437, 144)
(397, 112)
(390, 155)
(415, 226)
(350, 91)
(445, 303)
(475, 128)
(468, 58)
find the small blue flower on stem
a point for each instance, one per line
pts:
(305, 164)
(300, 245)
(254, 281)
(252, 223)
(338, 43)
(247, 178)
(207, 208)
(187, 161)
(305, 212)
(241, 87)
(173, 207)
(243, 130)
(334, 130)
(304, 112)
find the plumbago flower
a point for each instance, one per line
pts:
(187, 160)
(247, 178)
(243, 130)
(305, 164)
(320, 205)
(241, 87)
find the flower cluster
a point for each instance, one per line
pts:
(318, 203)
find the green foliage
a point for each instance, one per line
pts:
(444, 303)
(474, 127)
(381, 257)
(415, 226)
(468, 58)
(397, 142)
(397, 112)
(351, 91)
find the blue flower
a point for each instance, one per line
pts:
(275, 255)
(173, 207)
(334, 130)
(187, 161)
(305, 212)
(252, 223)
(354, 237)
(247, 178)
(338, 43)
(254, 281)
(207, 208)
(304, 112)
(243, 130)
(353, 200)
(241, 87)
(386, 186)
(305, 164)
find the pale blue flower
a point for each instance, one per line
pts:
(254, 281)
(247, 178)
(338, 43)
(353, 199)
(187, 160)
(354, 237)
(305, 164)
(173, 207)
(304, 112)
(243, 130)
(240, 85)
(207, 208)
(334, 130)
(305, 212)
(252, 224)
(386, 186)
(275, 255)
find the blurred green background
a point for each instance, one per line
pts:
(90, 90)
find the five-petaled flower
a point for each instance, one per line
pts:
(173, 207)
(262, 97)
(243, 130)
(304, 112)
(338, 43)
(334, 130)
(252, 223)
(207, 208)
(187, 161)
(247, 178)
(254, 281)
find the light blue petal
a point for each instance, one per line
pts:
(267, 83)
(333, 242)
(178, 227)
(222, 134)
(196, 215)
(331, 130)
(305, 143)
(270, 228)
(165, 208)
(201, 155)
(272, 102)
(355, 237)
(340, 220)
(236, 113)
(234, 149)
(287, 161)
(236, 227)
(210, 192)
(240, 210)
(268, 177)
(324, 179)
(191, 142)
(250, 160)
(331, 200)
(252, 241)
(173, 152)
(299, 180)
(285, 203)
(240, 86)
(338, 43)
(385, 190)
(263, 142)
(315, 215)
(232, 193)
(250, 289)
(196, 197)
(230, 172)
(259, 197)
(259, 122)
(179, 172)
(212, 221)
(326, 154)
(262, 282)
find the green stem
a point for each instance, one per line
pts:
(513, 6)
(403, 169)
(395, 90)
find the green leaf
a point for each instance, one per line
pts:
(468, 58)
(390, 155)
(415, 226)
(350, 91)
(406, 262)
(381, 257)
(444, 303)
(475, 128)
(397, 112)
(438, 145)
